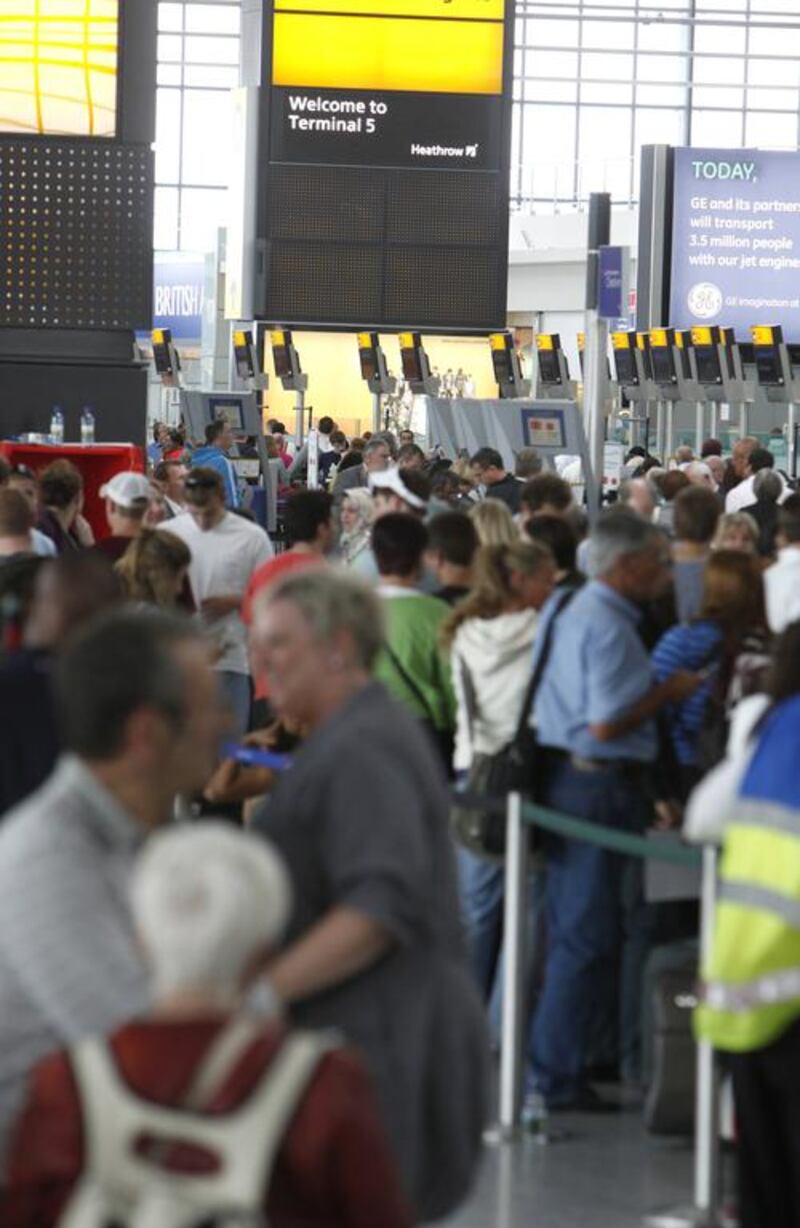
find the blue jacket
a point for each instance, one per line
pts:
(211, 457)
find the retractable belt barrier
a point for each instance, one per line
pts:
(570, 828)
(520, 816)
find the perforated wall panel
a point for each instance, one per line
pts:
(356, 245)
(76, 234)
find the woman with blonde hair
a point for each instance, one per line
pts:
(154, 568)
(494, 523)
(736, 531)
(490, 635)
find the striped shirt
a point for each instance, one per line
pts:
(691, 646)
(69, 964)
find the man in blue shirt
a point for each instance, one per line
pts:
(596, 706)
(219, 439)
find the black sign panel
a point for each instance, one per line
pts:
(355, 128)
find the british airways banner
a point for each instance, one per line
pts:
(179, 292)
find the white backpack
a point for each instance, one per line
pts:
(131, 1191)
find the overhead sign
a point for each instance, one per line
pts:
(179, 294)
(388, 82)
(612, 276)
(362, 92)
(736, 239)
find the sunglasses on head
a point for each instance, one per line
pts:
(201, 483)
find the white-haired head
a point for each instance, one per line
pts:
(208, 900)
(699, 474)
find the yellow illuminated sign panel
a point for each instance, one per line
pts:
(364, 341)
(544, 341)
(406, 341)
(58, 67)
(702, 336)
(659, 338)
(498, 341)
(762, 334)
(620, 341)
(425, 47)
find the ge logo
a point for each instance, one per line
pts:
(705, 300)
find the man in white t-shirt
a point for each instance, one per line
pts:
(226, 550)
(743, 496)
(782, 579)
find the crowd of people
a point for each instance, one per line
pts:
(231, 890)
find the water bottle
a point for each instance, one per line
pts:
(87, 426)
(57, 425)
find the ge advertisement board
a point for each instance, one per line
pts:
(736, 240)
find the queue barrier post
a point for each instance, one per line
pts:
(706, 1157)
(514, 936)
(704, 1213)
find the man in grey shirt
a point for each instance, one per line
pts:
(136, 694)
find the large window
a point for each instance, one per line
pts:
(198, 66)
(597, 80)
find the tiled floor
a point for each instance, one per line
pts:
(609, 1173)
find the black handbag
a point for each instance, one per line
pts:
(522, 766)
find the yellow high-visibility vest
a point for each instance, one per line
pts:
(751, 983)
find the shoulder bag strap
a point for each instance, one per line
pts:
(541, 665)
(470, 698)
(411, 684)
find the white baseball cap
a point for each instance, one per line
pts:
(127, 489)
(392, 479)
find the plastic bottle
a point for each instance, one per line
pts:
(57, 425)
(87, 425)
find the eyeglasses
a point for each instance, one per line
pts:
(195, 482)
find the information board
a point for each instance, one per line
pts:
(382, 83)
(736, 239)
(58, 67)
(389, 126)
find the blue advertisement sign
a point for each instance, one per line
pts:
(179, 291)
(736, 240)
(612, 290)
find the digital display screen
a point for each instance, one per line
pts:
(282, 361)
(708, 368)
(626, 367)
(227, 411)
(662, 365)
(549, 372)
(411, 365)
(402, 106)
(388, 82)
(501, 361)
(544, 428)
(369, 366)
(768, 368)
(59, 67)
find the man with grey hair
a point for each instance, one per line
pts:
(378, 456)
(595, 708)
(527, 464)
(141, 722)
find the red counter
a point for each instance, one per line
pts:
(97, 462)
